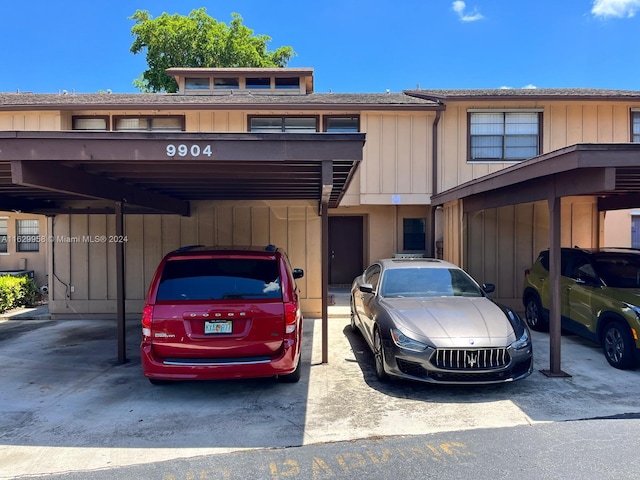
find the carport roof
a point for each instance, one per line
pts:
(610, 171)
(51, 172)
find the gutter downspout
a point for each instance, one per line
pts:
(434, 181)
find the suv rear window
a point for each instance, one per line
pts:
(220, 279)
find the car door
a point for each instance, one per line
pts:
(581, 284)
(366, 300)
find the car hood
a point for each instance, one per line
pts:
(452, 321)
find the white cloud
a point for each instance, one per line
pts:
(529, 87)
(459, 7)
(615, 8)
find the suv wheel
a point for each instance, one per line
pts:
(534, 315)
(618, 346)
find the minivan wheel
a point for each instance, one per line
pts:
(618, 346)
(533, 313)
(378, 355)
(292, 377)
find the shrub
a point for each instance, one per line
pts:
(16, 292)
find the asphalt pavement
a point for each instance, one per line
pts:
(66, 405)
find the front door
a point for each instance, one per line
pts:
(345, 249)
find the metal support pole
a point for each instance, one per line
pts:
(555, 330)
(120, 292)
(325, 282)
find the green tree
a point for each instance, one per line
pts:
(197, 40)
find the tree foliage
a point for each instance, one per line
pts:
(197, 40)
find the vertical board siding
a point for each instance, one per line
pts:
(98, 265)
(90, 266)
(389, 155)
(79, 257)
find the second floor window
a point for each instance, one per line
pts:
(161, 123)
(504, 136)
(635, 127)
(283, 124)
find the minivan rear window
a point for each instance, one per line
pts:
(220, 279)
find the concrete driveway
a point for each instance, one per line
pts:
(66, 405)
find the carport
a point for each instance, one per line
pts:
(53, 173)
(609, 171)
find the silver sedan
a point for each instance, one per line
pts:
(428, 320)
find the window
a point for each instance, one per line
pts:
(414, 233)
(283, 124)
(290, 83)
(164, 123)
(196, 83)
(635, 127)
(90, 123)
(259, 83)
(342, 124)
(3, 235)
(27, 235)
(504, 135)
(220, 279)
(226, 83)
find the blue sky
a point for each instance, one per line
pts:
(353, 45)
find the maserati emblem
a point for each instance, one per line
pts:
(472, 360)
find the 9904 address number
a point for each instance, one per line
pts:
(194, 150)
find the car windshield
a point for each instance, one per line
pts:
(219, 279)
(428, 282)
(619, 271)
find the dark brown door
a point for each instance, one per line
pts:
(345, 249)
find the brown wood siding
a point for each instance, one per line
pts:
(90, 268)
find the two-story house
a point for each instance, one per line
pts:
(255, 156)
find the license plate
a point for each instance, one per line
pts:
(218, 327)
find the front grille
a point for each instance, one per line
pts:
(471, 359)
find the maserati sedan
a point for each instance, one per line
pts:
(428, 320)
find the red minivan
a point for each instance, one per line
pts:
(221, 313)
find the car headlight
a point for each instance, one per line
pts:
(523, 342)
(401, 340)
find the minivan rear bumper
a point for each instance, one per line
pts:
(219, 368)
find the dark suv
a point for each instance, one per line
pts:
(600, 299)
(220, 313)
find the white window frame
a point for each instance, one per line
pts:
(503, 134)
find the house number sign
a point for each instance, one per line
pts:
(182, 150)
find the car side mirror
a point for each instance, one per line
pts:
(488, 287)
(366, 288)
(298, 273)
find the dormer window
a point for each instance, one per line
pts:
(196, 83)
(226, 83)
(258, 83)
(288, 83)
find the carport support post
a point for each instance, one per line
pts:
(325, 282)
(554, 285)
(122, 353)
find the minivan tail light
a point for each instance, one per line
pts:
(290, 317)
(147, 317)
